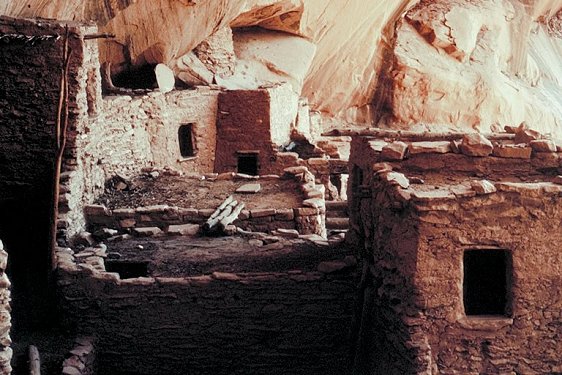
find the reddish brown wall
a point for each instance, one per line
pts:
(243, 124)
(413, 318)
(525, 222)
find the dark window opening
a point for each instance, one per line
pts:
(187, 144)
(487, 279)
(127, 269)
(358, 176)
(142, 77)
(248, 164)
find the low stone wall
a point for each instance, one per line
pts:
(308, 219)
(5, 318)
(81, 359)
(290, 322)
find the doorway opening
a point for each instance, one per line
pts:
(186, 141)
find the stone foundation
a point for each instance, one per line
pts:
(81, 359)
(290, 321)
(308, 219)
(5, 318)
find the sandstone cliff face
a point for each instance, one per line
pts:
(475, 64)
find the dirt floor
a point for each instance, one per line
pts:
(192, 256)
(193, 193)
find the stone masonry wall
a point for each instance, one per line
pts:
(284, 109)
(81, 177)
(414, 235)
(5, 318)
(523, 219)
(131, 133)
(252, 323)
(30, 66)
(81, 360)
(307, 219)
(123, 134)
(254, 120)
(243, 124)
(387, 236)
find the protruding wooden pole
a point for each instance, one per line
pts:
(409, 135)
(60, 133)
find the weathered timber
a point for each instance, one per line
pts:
(232, 216)
(410, 135)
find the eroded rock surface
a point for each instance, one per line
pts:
(448, 63)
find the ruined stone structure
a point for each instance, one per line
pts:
(5, 317)
(461, 243)
(124, 135)
(104, 118)
(222, 323)
(252, 126)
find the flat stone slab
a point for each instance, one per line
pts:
(483, 187)
(147, 232)
(286, 233)
(249, 189)
(183, 230)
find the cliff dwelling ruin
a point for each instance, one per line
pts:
(280, 187)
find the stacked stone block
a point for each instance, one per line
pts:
(307, 219)
(288, 321)
(5, 318)
(416, 208)
(81, 359)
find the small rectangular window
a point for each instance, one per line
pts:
(186, 141)
(248, 163)
(486, 284)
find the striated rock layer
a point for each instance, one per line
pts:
(475, 64)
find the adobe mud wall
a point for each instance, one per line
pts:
(293, 322)
(257, 121)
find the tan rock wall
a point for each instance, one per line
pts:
(496, 69)
(428, 65)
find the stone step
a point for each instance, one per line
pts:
(330, 213)
(337, 223)
(336, 205)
